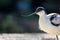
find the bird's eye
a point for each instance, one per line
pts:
(39, 9)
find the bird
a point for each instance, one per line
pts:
(49, 23)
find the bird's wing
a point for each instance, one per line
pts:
(47, 19)
(49, 15)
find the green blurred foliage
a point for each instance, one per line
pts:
(9, 25)
(19, 24)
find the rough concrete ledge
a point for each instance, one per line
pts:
(26, 36)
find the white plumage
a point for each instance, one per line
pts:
(45, 23)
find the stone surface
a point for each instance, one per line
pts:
(27, 36)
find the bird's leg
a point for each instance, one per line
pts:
(57, 37)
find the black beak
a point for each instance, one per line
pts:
(39, 9)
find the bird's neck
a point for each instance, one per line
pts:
(41, 14)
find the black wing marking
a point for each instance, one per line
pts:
(52, 17)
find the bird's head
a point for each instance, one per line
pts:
(40, 11)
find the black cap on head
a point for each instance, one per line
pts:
(39, 9)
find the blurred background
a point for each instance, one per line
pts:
(11, 20)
